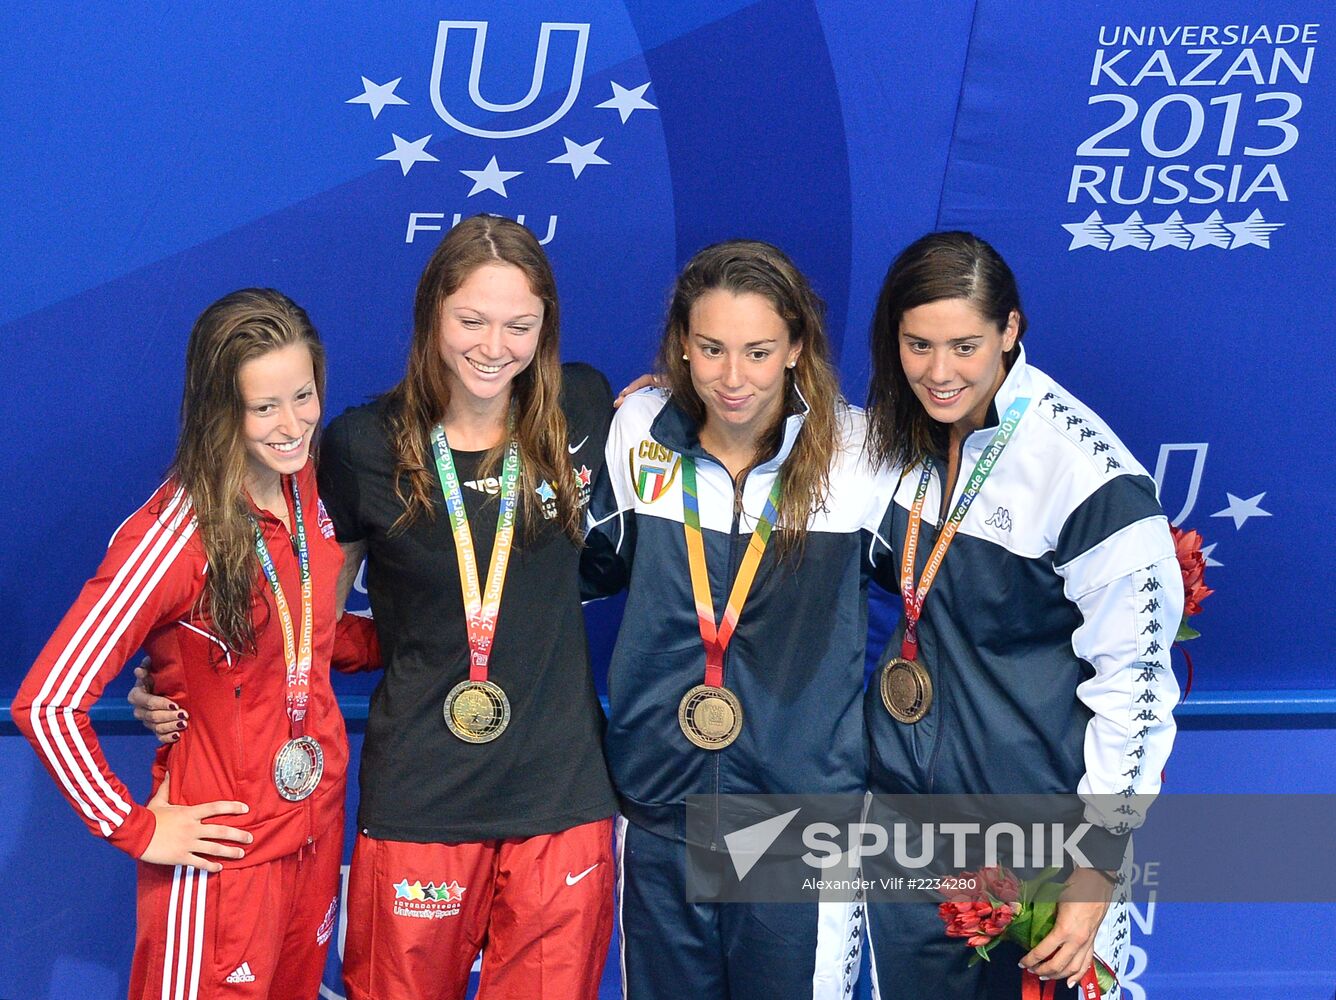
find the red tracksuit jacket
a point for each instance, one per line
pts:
(146, 593)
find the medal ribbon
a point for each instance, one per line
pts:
(1033, 988)
(480, 609)
(716, 639)
(297, 658)
(915, 596)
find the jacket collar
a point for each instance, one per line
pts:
(676, 431)
(1011, 389)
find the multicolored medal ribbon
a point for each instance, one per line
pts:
(300, 762)
(477, 710)
(906, 686)
(710, 714)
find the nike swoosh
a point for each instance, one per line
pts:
(573, 448)
(572, 879)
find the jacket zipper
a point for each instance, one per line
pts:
(241, 763)
(942, 723)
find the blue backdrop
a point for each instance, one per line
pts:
(1157, 174)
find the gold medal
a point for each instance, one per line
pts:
(906, 690)
(710, 717)
(477, 711)
(298, 767)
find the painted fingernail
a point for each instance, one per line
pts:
(180, 715)
(176, 737)
(180, 725)
(175, 707)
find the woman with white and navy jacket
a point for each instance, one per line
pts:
(1045, 634)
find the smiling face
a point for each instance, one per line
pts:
(737, 348)
(488, 334)
(953, 359)
(281, 413)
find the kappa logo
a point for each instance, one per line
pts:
(653, 470)
(326, 927)
(241, 974)
(1001, 519)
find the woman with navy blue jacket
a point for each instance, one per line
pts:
(732, 673)
(1034, 658)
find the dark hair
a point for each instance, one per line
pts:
(750, 266)
(210, 462)
(421, 398)
(952, 265)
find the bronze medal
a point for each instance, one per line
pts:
(477, 711)
(710, 717)
(298, 767)
(906, 690)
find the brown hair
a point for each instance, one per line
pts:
(951, 265)
(750, 266)
(421, 398)
(210, 462)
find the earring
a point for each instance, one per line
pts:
(684, 357)
(793, 364)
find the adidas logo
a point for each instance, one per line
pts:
(241, 974)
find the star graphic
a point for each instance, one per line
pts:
(455, 892)
(583, 475)
(415, 891)
(579, 157)
(1206, 551)
(377, 95)
(490, 178)
(545, 492)
(627, 101)
(1090, 233)
(1252, 231)
(1241, 510)
(1129, 233)
(1211, 233)
(401, 890)
(1169, 233)
(407, 153)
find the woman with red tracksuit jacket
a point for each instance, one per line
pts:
(226, 576)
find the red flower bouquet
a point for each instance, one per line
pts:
(992, 905)
(1192, 564)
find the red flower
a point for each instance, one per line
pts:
(978, 921)
(1000, 884)
(1192, 564)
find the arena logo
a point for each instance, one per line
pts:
(1218, 137)
(462, 88)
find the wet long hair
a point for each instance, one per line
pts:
(950, 265)
(421, 398)
(210, 461)
(751, 266)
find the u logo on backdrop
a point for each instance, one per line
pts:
(479, 32)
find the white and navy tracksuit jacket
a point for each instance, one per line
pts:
(796, 663)
(1047, 636)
